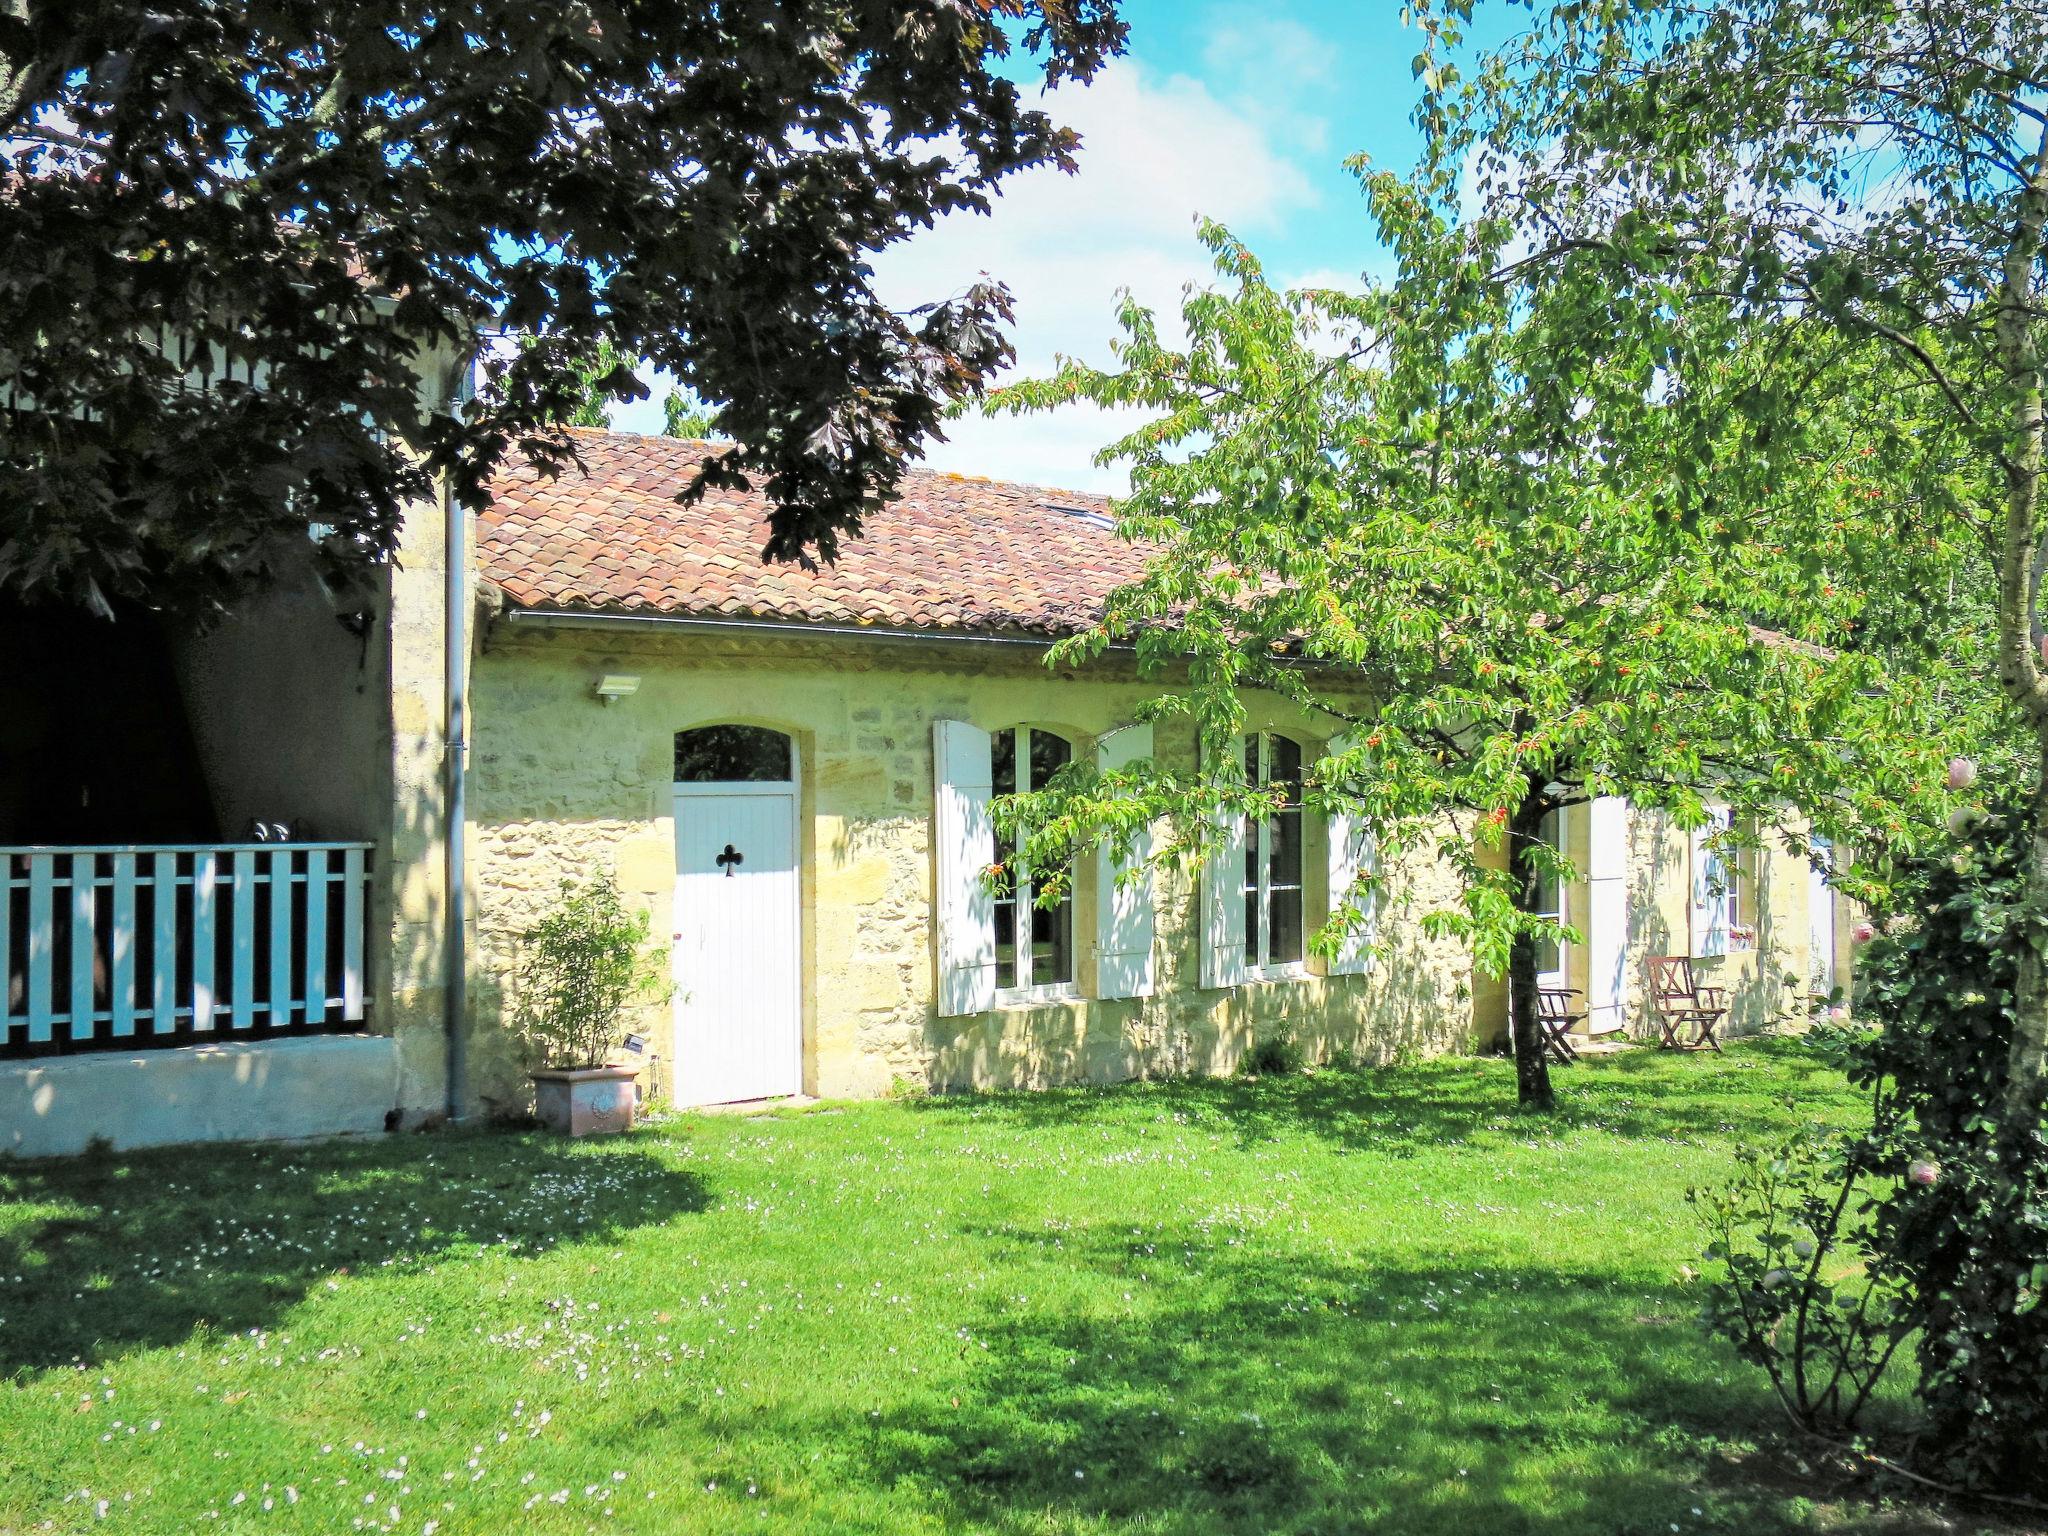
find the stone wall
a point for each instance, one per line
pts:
(1765, 984)
(410, 912)
(565, 787)
(341, 735)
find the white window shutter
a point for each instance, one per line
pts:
(1712, 873)
(1123, 910)
(964, 845)
(1223, 961)
(1352, 852)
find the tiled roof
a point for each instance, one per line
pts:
(949, 554)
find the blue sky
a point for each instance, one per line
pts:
(1245, 113)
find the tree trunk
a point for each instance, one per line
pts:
(10, 80)
(2026, 1080)
(2019, 664)
(1532, 1067)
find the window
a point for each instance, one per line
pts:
(1552, 956)
(1273, 917)
(1740, 898)
(1025, 759)
(732, 754)
(1724, 904)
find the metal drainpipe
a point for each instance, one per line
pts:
(455, 643)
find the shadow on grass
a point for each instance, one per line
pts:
(1280, 1392)
(1400, 1110)
(108, 1252)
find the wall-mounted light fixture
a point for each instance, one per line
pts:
(614, 686)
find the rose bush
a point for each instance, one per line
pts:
(1965, 1227)
(1931, 1224)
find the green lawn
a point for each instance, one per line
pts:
(1348, 1302)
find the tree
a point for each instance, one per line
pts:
(683, 414)
(1389, 508)
(1851, 175)
(593, 396)
(233, 232)
(1788, 179)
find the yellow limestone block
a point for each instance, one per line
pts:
(647, 865)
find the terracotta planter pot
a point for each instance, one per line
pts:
(588, 1101)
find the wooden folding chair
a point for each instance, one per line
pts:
(1680, 1002)
(1554, 1012)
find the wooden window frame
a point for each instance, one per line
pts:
(1554, 838)
(1021, 897)
(1259, 964)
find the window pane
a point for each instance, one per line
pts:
(1006, 942)
(1252, 923)
(1251, 760)
(1003, 761)
(1052, 945)
(1550, 959)
(1011, 886)
(1283, 837)
(1003, 758)
(730, 754)
(1283, 766)
(1549, 888)
(1287, 932)
(1049, 754)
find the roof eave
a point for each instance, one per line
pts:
(595, 618)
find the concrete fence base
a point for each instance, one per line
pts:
(269, 1090)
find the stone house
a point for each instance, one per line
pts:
(790, 768)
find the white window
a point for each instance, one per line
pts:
(1274, 913)
(1723, 889)
(1741, 898)
(1553, 957)
(1034, 941)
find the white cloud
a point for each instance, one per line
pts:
(1244, 56)
(1156, 152)
(1257, 51)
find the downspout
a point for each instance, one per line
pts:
(455, 647)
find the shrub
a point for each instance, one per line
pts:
(1274, 1056)
(1966, 1223)
(1944, 1197)
(583, 963)
(1797, 1297)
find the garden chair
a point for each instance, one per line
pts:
(1557, 1016)
(1681, 1002)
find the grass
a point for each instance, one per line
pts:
(1375, 1301)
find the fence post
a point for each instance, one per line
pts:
(205, 881)
(121, 942)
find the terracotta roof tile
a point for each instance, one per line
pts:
(949, 554)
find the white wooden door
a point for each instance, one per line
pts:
(739, 1017)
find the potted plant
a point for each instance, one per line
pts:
(583, 964)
